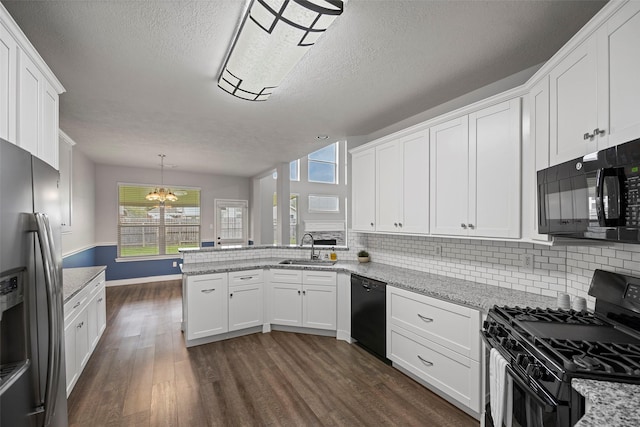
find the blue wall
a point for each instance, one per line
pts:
(106, 255)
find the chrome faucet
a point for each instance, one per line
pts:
(313, 249)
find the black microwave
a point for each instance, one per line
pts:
(593, 197)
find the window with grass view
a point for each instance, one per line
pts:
(148, 228)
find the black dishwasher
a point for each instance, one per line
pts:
(369, 315)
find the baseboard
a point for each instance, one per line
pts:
(138, 280)
(344, 336)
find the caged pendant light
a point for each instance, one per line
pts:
(161, 194)
(273, 36)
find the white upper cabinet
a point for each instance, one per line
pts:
(494, 159)
(8, 68)
(29, 94)
(574, 125)
(475, 173)
(595, 89)
(399, 194)
(363, 190)
(450, 177)
(618, 70)
(388, 182)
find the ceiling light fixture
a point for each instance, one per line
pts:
(272, 38)
(161, 194)
(322, 137)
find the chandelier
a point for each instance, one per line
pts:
(160, 194)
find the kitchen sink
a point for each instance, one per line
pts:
(307, 262)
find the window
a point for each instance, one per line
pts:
(323, 165)
(293, 218)
(148, 228)
(319, 203)
(294, 171)
(232, 221)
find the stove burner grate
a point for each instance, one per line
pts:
(595, 357)
(528, 314)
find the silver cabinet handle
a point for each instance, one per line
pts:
(426, 319)
(298, 292)
(400, 224)
(77, 305)
(100, 300)
(304, 292)
(395, 224)
(372, 224)
(246, 278)
(471, 226)
(80, 325)
(598, 131)
(426, 362)
(231, 295)
(588, 136)
(207, 291)
(463, 226)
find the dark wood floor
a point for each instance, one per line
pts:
(142, 374)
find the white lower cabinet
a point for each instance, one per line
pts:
(207, 305)
(245, 299)
(436, 341)
(85, 319)
(303, 298)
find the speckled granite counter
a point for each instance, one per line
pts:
(612, 404)
(74, 279)
(472, 294)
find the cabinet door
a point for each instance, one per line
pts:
(207, 302)
(65, 161)
(618, 65)
(449, 173)
(48, 148)
(29, 89)
(102, 312)
(92, 321)
(245, 306)
(363, 197)
(286, 304)
(494, 171)
(70, 355)
(414, 171)
(319, 307)
(83, 349)
(388, 187)
(574, 104)
(8, 67)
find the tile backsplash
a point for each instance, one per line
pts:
(555, 269)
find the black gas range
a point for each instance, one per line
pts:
(546, 348)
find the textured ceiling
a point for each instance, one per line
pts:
(141, 75)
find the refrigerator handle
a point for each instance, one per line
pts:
(45, 238)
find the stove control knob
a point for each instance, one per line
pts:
(509, 344)
(534, 371)
(522, 360)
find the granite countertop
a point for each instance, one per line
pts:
(74, 279)
(612, 404)
(459, 291)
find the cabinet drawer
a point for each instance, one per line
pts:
(310, 277)
(286, 276)
(96, 284)
(450, 372)
(450, 325)
(248, 277)
(75, 305)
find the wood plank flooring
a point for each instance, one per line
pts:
(141, 374)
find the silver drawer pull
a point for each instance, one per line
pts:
(100, 300)
(207, 291)
(246, 278)
(77, 305)
(426, 362)
(426, 319)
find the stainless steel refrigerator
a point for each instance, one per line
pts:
(32, 378)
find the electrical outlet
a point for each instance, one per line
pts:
(527, 261)
(175, 263)
(438, 250)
